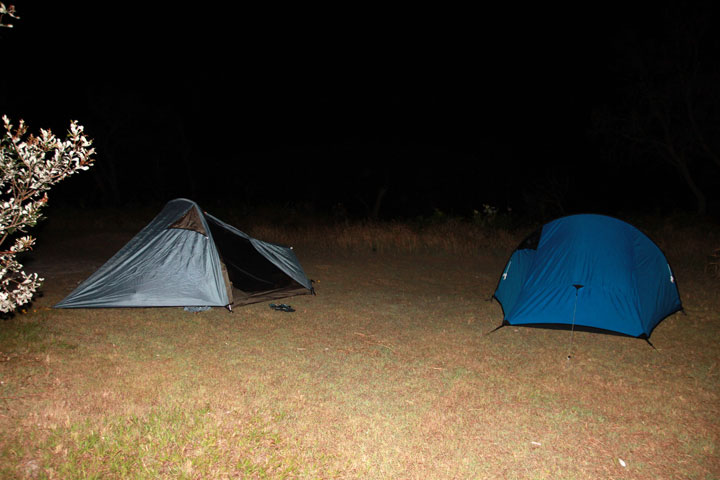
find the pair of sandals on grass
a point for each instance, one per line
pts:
(281, 307)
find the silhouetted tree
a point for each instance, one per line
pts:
(669, 98)
(145, 144)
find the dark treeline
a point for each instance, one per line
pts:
(605, 117)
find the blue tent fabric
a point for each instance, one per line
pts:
(176, 261)
(592, 271)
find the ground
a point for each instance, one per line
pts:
(390, 371)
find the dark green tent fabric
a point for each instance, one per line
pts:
(185, 257)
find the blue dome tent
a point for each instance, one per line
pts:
(588, 271)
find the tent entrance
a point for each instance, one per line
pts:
(254, 279)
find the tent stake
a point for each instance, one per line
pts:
(497, 328)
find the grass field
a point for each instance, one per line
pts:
(388, 373)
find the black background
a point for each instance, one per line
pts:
(325, 108)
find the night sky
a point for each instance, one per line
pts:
(324, 108)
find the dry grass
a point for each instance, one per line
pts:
(387, 373)
(713, 264)
(394, 237)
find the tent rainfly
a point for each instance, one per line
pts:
(589, 271)
(185, 257)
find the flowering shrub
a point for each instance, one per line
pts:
(8, 11)
(29, 166)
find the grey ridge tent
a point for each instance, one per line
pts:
(188, 258)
